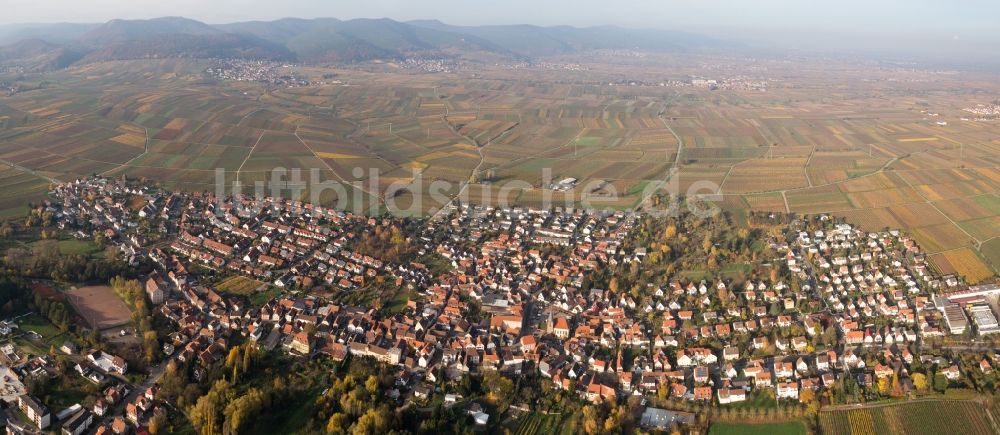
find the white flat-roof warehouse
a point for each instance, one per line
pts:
(985, 320)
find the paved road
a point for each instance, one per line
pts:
(155, 374)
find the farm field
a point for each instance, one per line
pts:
(536, 423)
(789, 428)
(877, 161)
(914, 418)
(239, 285)
(962, 261)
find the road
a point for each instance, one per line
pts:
(465, 184)
(31, 171)
(670, 171)
(155, 374)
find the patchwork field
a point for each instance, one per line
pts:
(834, 138)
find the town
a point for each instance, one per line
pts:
(840, 316)
(249, 70)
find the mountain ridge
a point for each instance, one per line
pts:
(318, 40)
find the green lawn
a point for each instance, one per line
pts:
(260, 298)
(787, 428)
(76, 247)
(398, 302)
(39, 324)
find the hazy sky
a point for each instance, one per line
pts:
(887, 26)
(962, 18)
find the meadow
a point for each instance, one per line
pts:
(789, 428)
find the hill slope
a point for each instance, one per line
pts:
(318, 40)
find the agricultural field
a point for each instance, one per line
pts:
(991, 250)
(789, 428)
(913, 418)
(962, 261)
(537, 423)
(17, 189)
(238, 285)
(867, 152)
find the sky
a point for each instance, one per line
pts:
(939, 23)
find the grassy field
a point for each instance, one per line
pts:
(398, 302)
(914, 418)
(39, 325)
(238, 285)
(788, 428)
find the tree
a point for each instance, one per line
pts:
(940, 382)
(591, 423)
(374, 421)
(895, 388)
(158, 424)
(242, 411)
(807, 396)
(371, 385)
(883, 386)
(337, 424)
(919, 381)
(500, 390)
(150, 346)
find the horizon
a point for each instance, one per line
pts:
(852, 25)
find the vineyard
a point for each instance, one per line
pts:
(916, 418)
(536, 423)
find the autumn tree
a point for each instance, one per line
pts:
(919, 381)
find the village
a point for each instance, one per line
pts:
(514, 291)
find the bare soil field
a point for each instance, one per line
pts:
(99, 306)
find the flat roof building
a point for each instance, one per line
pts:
(985, 320)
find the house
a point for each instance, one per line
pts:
(951, 373)
(480, 418)
(664, 420)
(100, 407)
(119, 426)
(731, 395)
(36, 412)
(561, 328)
(702, 394)
(107, 363)
(421, 392)
(301, 343)
(788, 390)
(155, 290)
(78, 423)
(730, 353)
(68, 348)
